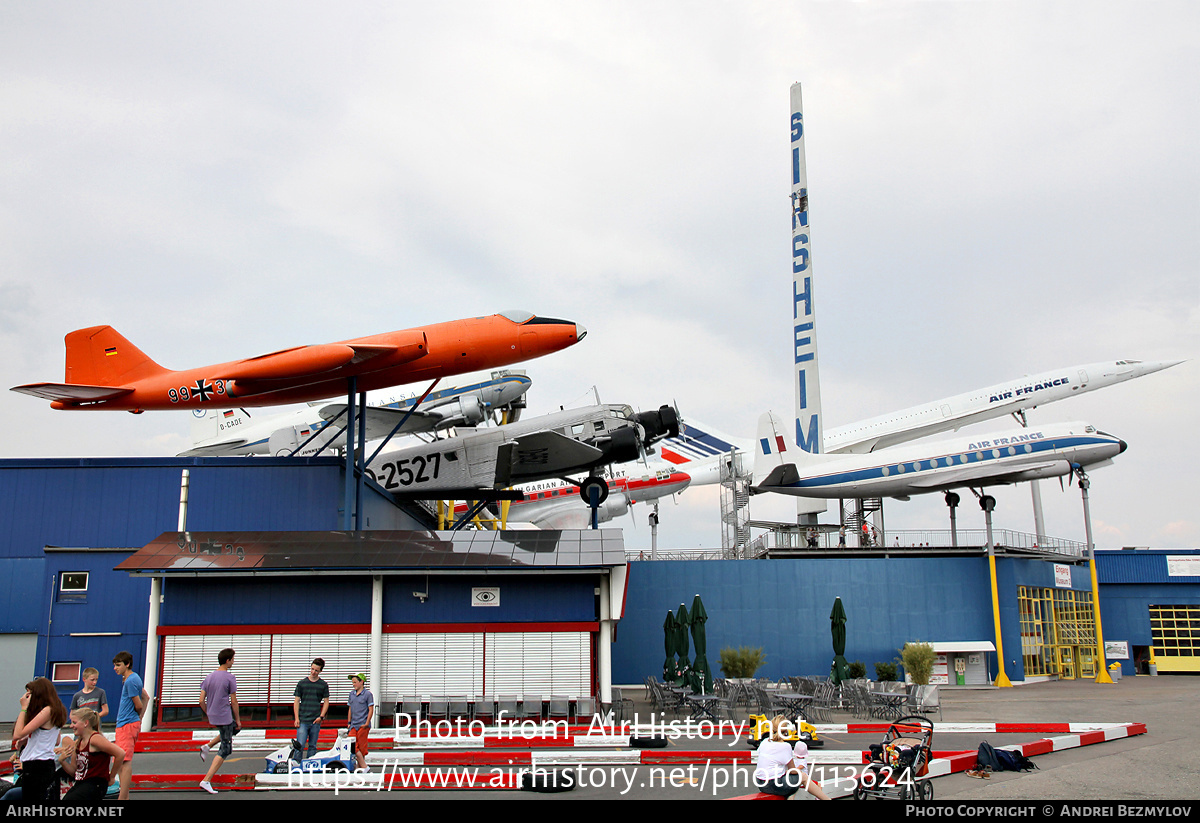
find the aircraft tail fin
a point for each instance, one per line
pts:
(209, 427)
(100, 356)
(771, 452)
(697, 442)
(777, 460)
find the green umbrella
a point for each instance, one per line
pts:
(670, 631)
(681, 639)
(700, 667)
(837, 625)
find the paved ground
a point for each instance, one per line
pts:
(1160, 765)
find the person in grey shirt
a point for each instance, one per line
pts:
(90, 696)
(360, 710)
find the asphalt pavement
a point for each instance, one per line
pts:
(1159, 765)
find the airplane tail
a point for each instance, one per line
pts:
(696, 443)
(777, 461)
(771, 452)
(100, 356)
(209, 427)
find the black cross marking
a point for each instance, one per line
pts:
(202, 390)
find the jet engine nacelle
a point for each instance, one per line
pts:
(466, 410)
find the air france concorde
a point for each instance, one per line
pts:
(987, 403)
(983, 460)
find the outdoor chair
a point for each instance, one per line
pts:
(531, 707)
(585, 709)
(485, 706)
(411, 706)
(458, 706)
(622, 707)
(925, 700)
(439, 708)
(508, 708)
(559, 707)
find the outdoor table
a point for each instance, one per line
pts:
(703, 705)
(794, 702)
(888, 705)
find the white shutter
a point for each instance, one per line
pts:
(539, 663)
(344, 654)
(436, 663)
(188, 659)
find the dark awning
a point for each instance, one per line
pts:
(190, 554)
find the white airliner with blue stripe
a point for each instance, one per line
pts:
(237, 432)
(980, 461)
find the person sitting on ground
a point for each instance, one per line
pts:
(90, 757)
(778, 771)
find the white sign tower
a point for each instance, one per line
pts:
(809, 425)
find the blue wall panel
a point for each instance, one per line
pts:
(532, 598)
(23, 585)
(267, 601)
(783, 606)
(126, 503)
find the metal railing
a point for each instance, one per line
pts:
(916, 540)
(896, 541)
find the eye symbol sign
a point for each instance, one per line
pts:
(485, 597)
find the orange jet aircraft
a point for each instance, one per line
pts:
(106, 371)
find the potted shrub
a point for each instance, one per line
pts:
(918, 662)
(741, 662)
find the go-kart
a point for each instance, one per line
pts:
(290, 758)
(798, 729)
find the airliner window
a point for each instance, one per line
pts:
(517, 316)
(900, 469)
(885, 471)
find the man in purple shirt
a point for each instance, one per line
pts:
(218, 699)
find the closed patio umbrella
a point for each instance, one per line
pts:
(670, 644)
(683, 621)
(700, 667)
(837, 625)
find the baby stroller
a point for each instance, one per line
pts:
(899, 766)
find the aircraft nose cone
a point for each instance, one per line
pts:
(580, 332)
(1124, 446)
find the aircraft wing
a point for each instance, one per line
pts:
(983, 473)
(72, 392)
(542, 454)
(381, 420)
(569, 514)
(282, 369)
(213, 449)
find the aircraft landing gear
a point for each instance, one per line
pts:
(594, 491)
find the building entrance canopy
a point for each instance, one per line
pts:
(191, 554)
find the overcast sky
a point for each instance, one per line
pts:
(996, 189)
